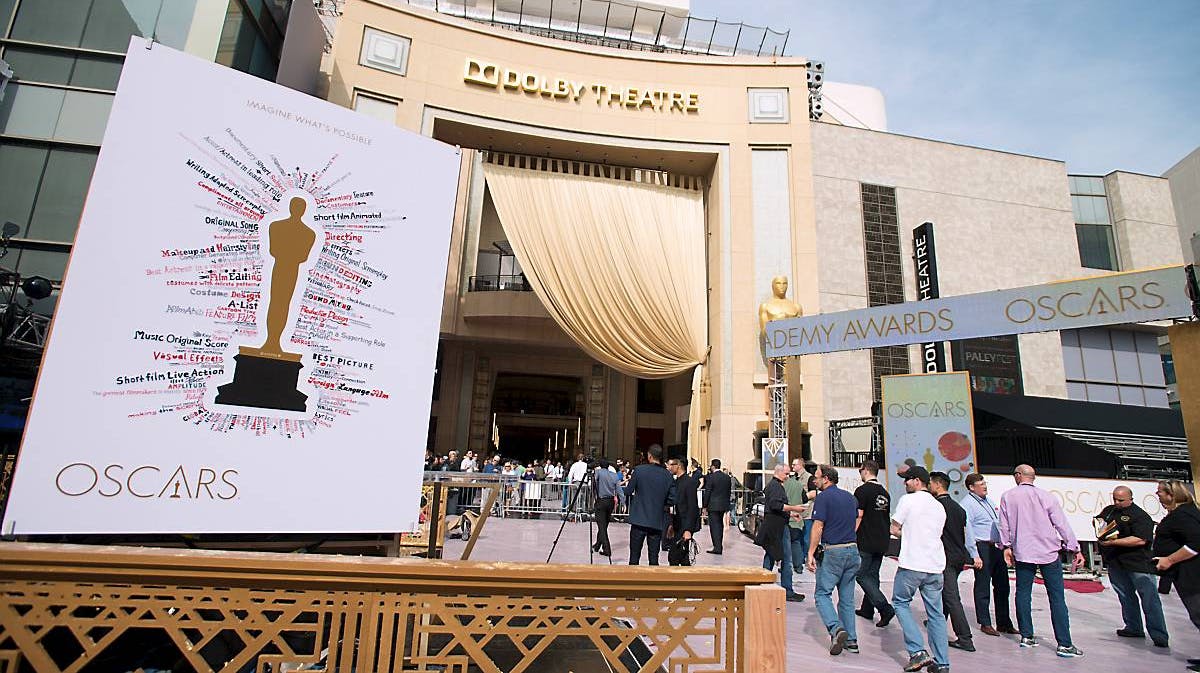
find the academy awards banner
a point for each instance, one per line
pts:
(928, 421)
(248, 328)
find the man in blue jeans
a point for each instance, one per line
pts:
(918, 522)
(1125, 547)
(835, 515)
(1033, 530)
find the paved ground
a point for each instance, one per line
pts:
(1094, 617)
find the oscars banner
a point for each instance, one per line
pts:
(928, 421)
(247, 333)
(1084, 499)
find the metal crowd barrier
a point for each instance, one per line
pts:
(519, 498)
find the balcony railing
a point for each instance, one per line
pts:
(623, 25)
(497, 283)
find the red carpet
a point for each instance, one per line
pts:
(1079, 586)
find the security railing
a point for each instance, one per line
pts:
(519, 498)
(620, 25)
(77, 607)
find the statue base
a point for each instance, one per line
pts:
(266, 381)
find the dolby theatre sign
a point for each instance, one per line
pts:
(605, 94)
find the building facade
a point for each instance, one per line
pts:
(831, 204)
(796, 178)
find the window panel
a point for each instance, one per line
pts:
(97, 72)
(20, 173)
(1125, 357)
(60, 200)
(1076, 391)
(1151, 363)
(111, 23)
(175, 22)
(1097, 355)
(1098, 392)
(1072, 357)
(30, 110)
(40, 65)
(1131, 395)
(6, 8)
(84, 116)
(1096, 249)
(50, 21)
(44, 263)
(1156, 397)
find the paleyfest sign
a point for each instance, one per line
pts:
(247, 333)
(928, 422)
(1137, 296)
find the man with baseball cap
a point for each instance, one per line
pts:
(918, 522)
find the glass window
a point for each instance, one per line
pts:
(1098, 392)
(1096, 249)
(1098, 363)
(46, 263)
(60, 199)
(84, 116)
(51, 21)
(262, 64)
(1157, 397)
(175, 22)
(1086, 184)
(30, 111)
(383, 110)
(40, 65)
(237, 39)
(1132, 395)
(97, 72)
(110, 23)
(52, 66)
(1072, 357)
(20, 173)
(1126, 357)
(1076, 391)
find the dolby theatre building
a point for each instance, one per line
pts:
(631, 182)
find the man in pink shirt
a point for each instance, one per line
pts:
(1033, 532)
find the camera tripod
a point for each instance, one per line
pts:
(586, 482)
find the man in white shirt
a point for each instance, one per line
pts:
(575, 477)
(918, 522)
(468, 463)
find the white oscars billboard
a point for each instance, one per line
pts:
(248, 328)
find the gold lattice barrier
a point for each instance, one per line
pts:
(79, 608)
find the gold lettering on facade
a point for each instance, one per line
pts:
(493, 76)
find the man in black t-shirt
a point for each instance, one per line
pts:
(874, 519)
(1125, 546)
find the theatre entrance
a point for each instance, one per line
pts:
(537, 417)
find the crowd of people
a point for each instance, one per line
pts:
(848, 534)
(811, 524)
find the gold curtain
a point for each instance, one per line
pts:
(619, 265)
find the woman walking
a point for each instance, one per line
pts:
(1175, 542)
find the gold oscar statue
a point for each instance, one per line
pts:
(266, 376)
(779, 307)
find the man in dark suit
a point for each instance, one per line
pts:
(685, 511)
(717, 489)
(647, 493)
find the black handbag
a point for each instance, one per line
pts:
(683, 552)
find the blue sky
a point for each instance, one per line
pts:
(1102, 85)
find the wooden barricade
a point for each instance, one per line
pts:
(70, 607)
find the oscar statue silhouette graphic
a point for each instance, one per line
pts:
(266, 376)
